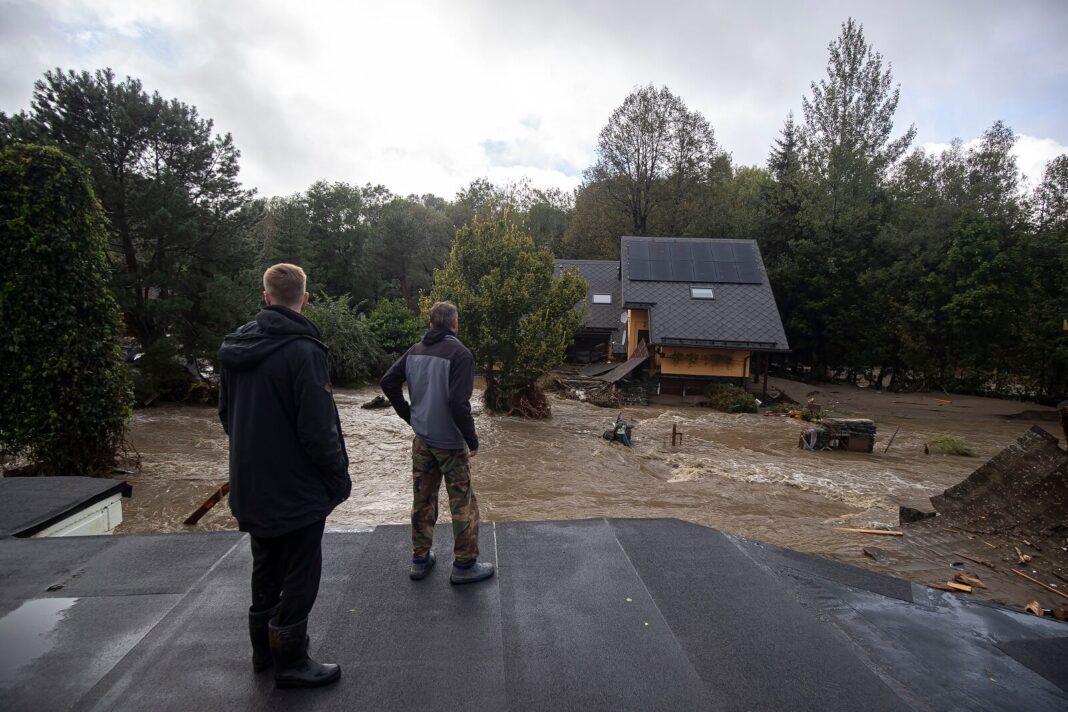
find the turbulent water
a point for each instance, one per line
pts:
(740, 473)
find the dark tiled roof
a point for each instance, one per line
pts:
(740, 315)
(603, 278)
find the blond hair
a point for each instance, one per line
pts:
(286, 284)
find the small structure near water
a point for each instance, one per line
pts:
(60, 506)
(852, 434)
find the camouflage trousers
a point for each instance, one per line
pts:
(429, 465)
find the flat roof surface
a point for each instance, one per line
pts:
(599, 614)
(30, 504)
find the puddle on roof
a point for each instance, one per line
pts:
(27, 633)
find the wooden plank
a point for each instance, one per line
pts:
(208, 504)
(879, 532)
(1062, 594)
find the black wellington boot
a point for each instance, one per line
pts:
(292, 666)
(261, 638)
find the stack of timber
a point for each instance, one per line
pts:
(853, 434)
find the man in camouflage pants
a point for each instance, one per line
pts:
(439, 371)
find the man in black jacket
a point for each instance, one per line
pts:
(440, 374)
(288, 469)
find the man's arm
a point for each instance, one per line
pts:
(223, 402)
(318, 426)
(392, 385)
(461, 383)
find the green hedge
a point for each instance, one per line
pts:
(66, 389)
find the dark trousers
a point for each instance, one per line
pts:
(286, 569)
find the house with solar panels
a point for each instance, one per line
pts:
(704, 308)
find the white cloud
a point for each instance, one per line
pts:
(411, 95)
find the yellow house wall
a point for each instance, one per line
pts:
(710, 362)
(637, 320)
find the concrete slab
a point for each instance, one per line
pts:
(712, 622)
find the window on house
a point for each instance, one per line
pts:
(701, 292)
(602, 298)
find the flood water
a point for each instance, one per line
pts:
(740, 473)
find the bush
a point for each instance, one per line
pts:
(66, 389)
(395, 327)
(729, 399)
(951, 445)
(355, 357)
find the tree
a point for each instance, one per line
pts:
(516, 318)
(177, 214)
(65, 386)
(845, 141)
(409, 241)
(650, 156)
(395, 327)
(355, 356)
(846, 155)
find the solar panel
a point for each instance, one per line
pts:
(728, 272)
(682, 271)
(702, 261)
(660, 271)
(704, 271)
(639, 269)
(749, 273)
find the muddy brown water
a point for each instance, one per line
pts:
(742, 474)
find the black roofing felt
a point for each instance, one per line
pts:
(30, 504)
(741, 315)
(586, 615)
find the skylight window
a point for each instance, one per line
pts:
(602, 298)
(701, 292)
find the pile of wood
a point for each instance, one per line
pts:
(582, 388)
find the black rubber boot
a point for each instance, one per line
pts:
(292, 666)
(261, 638)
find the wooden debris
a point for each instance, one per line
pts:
(1062, 594)
(940, 587)
(954, 586)
(891, 441)
(208, 504)
(976, 561)
(881, 532)
(969, 580)
(1034, 607)
(1024, 558)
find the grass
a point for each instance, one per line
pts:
(951, 445)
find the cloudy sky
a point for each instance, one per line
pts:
(425, 96)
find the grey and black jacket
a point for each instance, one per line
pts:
(440, 373)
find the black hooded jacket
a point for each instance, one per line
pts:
(288, 463)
